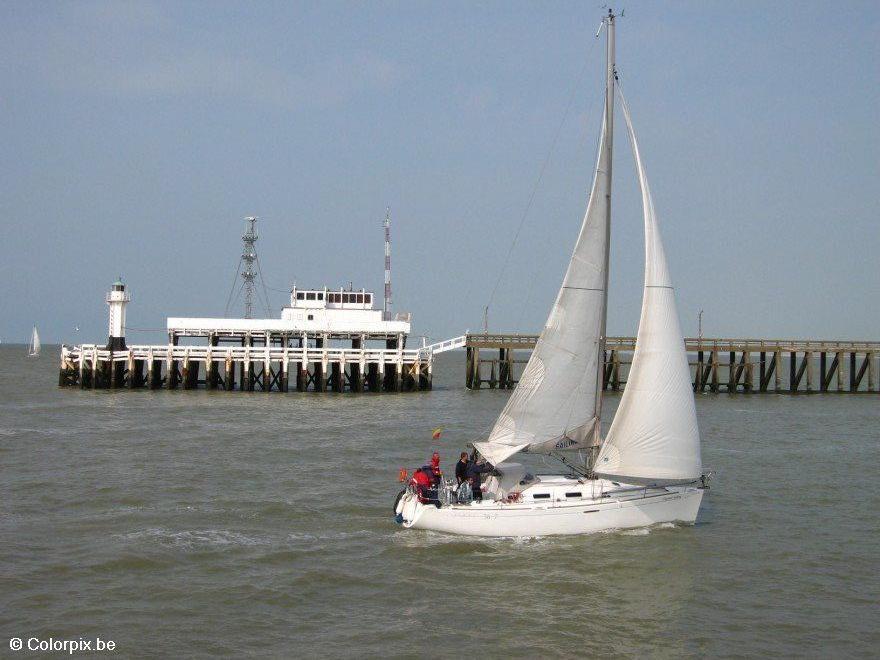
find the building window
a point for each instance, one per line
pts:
(300, 295)
(310, 296)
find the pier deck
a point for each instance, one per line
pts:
(717, 365)
(247, 368)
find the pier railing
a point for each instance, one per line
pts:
(239, 353)
(526, 341)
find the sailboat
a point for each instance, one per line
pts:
(34, 346)
(647, 469)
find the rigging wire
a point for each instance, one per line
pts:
(540, 177)
(262, 282)
(232, 290)
(236, 296)
(530, 283)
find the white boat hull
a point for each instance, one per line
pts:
(527, 519)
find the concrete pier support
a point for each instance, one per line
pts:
(172, 376)
(135, 373)
(190, 374)
(392, 375)
(267, 375)
(872, 375)
(426, 376)
(808, 364)
(777, 371)
(285, 373)
(714, 357)
(82, 372)
(410, 381)
(337, 381)
(185, 373)
(154, 374)
(374, 382)
(318, 373)
(356, 369)
(472, 368)
(212, 378)
(116, 369)
(247, 379)
(229, 373)
(302, 376)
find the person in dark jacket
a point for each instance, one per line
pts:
(461, 468)
(473, 472)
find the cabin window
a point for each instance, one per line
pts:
(368, 298)
(300, 295)
(311, 317)
(321, 296)
(310, 296)
(336, 297)
(541, 496)
(573, 495)
(360, 298)
(346, 297)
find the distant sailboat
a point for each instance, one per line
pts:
(34, 346)
(647, 469)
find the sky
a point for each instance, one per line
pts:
(136, 137)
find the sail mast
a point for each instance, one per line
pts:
(610, 77)
(554, 405)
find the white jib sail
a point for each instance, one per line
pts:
(554, 404)
(654, 435)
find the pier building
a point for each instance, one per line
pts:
(325, 340)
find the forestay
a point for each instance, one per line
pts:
(554, 404)
(654, 436)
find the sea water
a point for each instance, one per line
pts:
(203, 523)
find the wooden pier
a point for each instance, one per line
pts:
(717, 365)
(267, 368)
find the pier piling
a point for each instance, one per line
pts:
(749, 365)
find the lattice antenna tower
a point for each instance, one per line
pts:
(386, 310)
(248, 258)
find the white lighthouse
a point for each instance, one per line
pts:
(117, 299)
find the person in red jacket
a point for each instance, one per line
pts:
(421, 481)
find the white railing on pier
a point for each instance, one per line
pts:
(238, 353)
(446, 345)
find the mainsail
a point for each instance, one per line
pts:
(555, 403)
(35, 343)
(654, 436)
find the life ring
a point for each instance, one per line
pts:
(397, 499)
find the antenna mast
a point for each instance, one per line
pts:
(386, 310)
(248, 257)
